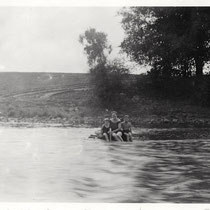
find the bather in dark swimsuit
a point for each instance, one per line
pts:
(114, 125)
(105, 129)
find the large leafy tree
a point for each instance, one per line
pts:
(170, 39)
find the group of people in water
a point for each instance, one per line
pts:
(115, 129)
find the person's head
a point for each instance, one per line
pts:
(126, 118)
(114, 114)
(106, 121)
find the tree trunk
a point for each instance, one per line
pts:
(199, 66)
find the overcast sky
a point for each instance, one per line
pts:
(46, 39)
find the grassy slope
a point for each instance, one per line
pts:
(64, 98)
(42, 96)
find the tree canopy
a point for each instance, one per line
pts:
(173, 40)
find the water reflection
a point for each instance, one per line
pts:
(54, 164)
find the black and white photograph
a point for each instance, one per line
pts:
(105, 104)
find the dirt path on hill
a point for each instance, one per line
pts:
(42, 94)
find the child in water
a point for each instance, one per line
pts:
(126, 128)
(106, 129)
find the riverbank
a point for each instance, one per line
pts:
(139, 133)
(64, 100)
(58, 109)
(93, 122)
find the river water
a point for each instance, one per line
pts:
(63, 165)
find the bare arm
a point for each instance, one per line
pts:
(102, 129)
(130, 128)
(119, 127)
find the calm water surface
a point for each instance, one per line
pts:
(60, 164)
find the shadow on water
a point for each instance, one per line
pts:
(62, 165)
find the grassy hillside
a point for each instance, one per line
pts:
(51, 97)
(13, 83)
(65, 99)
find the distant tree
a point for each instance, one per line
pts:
(173, 40)
(96, 46)
(106, 75)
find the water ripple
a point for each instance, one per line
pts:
(55, 164)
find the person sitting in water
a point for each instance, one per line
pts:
(115, 125)
(126, 128)
(106, 130)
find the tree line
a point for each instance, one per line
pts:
(173, 41)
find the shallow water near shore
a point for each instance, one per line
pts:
(63, 165)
